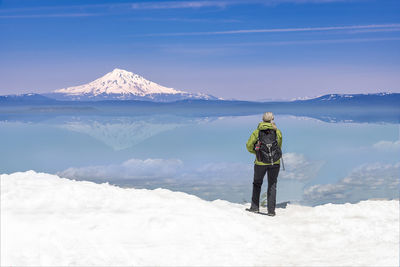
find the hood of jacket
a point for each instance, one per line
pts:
(265, 126)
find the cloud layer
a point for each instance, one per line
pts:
(387, 145)
(130, 169)
(142, 5)
(297, 168)
(375, 27)
(364, 182)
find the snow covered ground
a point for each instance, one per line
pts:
(52, 221)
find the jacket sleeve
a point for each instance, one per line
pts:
(279, 134)
(252, 140)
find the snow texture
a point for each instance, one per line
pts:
(53, 221)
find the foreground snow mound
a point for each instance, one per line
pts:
(47, 220)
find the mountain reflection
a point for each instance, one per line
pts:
(124, 132)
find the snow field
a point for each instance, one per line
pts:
(48, 220)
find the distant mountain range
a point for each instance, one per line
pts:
(62, 97)
(123, 85)
(381, 107)
(124, 93)
(336, 98)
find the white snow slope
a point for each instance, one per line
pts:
(124, 85)
(119, 82)
(52, 221)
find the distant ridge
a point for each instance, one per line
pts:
(384, 98)
(330, 97)
(120, 84)
(183, 97)
(381, 107)
(27, 99)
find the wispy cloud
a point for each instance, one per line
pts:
(61, 15)
(224, 4)
(135, 5)
(374, 30)
(130, 169)
(109, 6)
(182, 4)
(175, 4)
(311, 42)
(206, 20)
(233, 48)
(387, 145)
(281, 30)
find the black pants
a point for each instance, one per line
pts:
(259, 173)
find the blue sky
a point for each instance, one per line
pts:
(240, 49)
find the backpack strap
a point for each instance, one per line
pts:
(283, 164)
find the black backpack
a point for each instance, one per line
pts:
(267, 147)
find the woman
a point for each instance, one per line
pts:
(266, 143)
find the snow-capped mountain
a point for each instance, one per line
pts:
(124, 85)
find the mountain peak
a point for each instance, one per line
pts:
(120, 82)
(117, 71)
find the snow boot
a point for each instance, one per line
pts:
(255, 210)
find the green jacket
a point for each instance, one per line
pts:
(253, 139)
